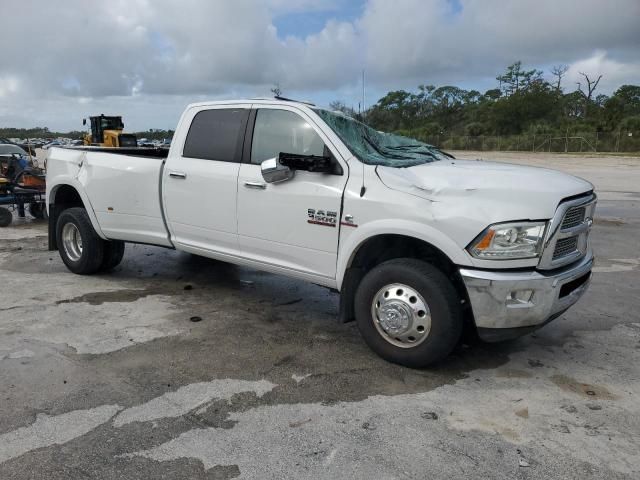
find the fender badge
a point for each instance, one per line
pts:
(321, 217)
(348, 221)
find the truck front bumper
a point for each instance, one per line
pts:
(509, 304)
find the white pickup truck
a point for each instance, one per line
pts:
(419, 245)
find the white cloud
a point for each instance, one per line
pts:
(614, 73)
(8, 85)
(149, 58)
(425, 40)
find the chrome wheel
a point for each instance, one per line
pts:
(401, 315)
(72, 241)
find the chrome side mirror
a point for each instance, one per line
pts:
(273, 172)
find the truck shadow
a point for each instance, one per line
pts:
(252, 325)
(255, 325)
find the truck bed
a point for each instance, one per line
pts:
(123, 186)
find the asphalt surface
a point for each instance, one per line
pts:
(175, 366)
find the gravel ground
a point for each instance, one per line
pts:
(175, 366)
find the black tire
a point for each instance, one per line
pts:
(113, 253)
(438, 292)
(90, 260)
(37, 210)
(5, 217)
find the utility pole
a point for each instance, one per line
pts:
(363, 97)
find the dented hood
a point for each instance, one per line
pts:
(498, 191)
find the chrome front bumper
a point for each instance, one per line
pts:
(509, 304)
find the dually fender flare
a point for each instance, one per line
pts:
(78, 187)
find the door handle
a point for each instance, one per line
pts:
(178, 175)
(259, 185)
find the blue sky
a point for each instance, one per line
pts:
(303, 23)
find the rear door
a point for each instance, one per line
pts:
(200, 179)
(292, 224)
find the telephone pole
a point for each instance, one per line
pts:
(364, 108)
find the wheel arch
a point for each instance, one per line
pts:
(413, 231)
(381, 247)
(387, 246)
(61, 197)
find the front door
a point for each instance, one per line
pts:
(294, 224)
(200, 180)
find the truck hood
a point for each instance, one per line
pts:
(487, 191)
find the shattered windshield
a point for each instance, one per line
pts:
(378, 148)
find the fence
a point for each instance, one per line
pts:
(585, 142)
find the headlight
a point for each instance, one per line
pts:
(508, 241)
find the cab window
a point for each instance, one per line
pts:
(216, 134)
(281, 131)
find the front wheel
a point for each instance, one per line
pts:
(81, 249)
(408, 312)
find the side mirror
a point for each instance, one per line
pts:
(84, 121)
(308, 163)
(274, 172)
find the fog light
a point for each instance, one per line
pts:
(520, 298)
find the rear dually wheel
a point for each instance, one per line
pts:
(80, 247)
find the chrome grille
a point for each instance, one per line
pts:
(568, 234)
(573, 217)
(565, 246)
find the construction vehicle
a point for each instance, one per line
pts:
(107, 132)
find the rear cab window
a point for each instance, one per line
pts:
(216, 134)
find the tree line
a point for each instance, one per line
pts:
(523, 102)
(45, 133)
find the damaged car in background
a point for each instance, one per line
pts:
(22, 183)
(419, 245)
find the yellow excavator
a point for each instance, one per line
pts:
(107, 132)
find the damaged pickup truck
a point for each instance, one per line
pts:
(419, 245)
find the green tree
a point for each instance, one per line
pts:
(515, 78)
(629, 96)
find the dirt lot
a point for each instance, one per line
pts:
(113, 376)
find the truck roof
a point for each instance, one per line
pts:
(258, 100)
